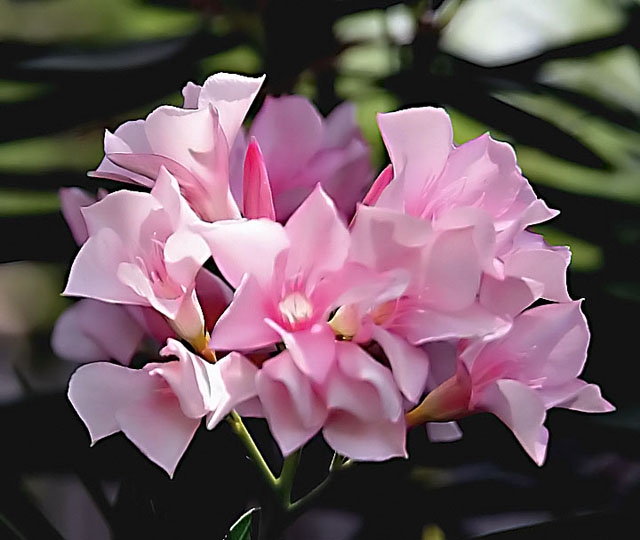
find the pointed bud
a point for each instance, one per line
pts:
(378, 186)
(256, 191)
(449, 401)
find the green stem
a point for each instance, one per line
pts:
(287, 475)
(338, 464)
(240, 430)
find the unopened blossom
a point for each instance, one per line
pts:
(519, 376)
(192, 143)
(159, 407)
(142, 251)
(302, 149)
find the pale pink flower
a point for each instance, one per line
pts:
(520, 375)
(302, 149)
(192, 143)
(359, 408)
(431, 176)
(160, 407)
(475, 185)
(142, 251)
(287, 278)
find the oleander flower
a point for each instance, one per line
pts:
(302, 149)
(142, 251)
(519, 376)
(160, 406)
(287, 279)
(192, 143)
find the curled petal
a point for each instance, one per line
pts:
(293, 410)
(522, 411)
(409, 364)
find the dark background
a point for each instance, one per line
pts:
(560, 79)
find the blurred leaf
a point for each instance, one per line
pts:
(66, 20)
(69, 151)
(14, 91)
(241, 529)
(596, 525)
(15, 202)
(119, 57)
(498, 31)
(241, 59)
(613, 76)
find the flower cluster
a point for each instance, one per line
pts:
(273, 292)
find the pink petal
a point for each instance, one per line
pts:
(378, 186)
(92, 330)
(364, 375)
(189, 378)
(423, 324)
(443, 431)
(386, 240)
(184, 254)
(509, 296)
(546, 266)
(341, 126)
(409, 364)
(313, 349)
(522, 411)
(94, 268)
(289, 130)
(232, 96)
(577, 395)
(122, 211)
(319, 239)
(293, 410)
(256, 190)
(71, 201)
(452, 270)
(365, 441)
(235, 385)
(240, 247)
(159, 429)
(551, 341)
(242, 326)
(98, 390)
(419, 142)
(130, 137)
(191, 93)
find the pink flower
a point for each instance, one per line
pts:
(287, 281)
(520, 375)
(302, 149)
(141, 251)
(160, 407)
(191, 143)
(432, 177)
(359, 408)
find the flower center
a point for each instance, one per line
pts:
(295, 308)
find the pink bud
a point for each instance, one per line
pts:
(378, 186)
(257, 198)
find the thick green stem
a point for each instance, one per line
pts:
(240, 430)
(287, 476)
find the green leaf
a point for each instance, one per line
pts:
(241, 529)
